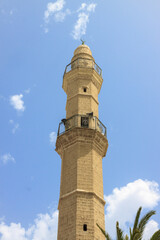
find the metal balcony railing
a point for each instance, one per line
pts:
(81, 121)
(83, 63)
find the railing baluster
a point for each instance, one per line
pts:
(75, 121)
(85, 64)
(58, 130)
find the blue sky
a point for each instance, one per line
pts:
(37, 41)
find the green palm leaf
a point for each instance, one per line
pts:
(137, 219)
(133, 232)
(137, 234)
(119, 232)
(130, 231)
(126, 237)
(156, 236)
(144, 221)
(104, 233)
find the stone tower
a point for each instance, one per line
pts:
(82, 144)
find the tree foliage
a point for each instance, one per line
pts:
(136, 233)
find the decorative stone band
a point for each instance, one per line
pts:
(80, 94)
(91, 136)
(80, 191)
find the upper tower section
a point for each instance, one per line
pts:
(82, 51)
(82, 82)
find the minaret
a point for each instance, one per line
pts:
(82, 144)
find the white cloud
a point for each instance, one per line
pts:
(80, 26)
(7, 158)
(60, 16)
(83, 18)
(17, 102)
(15, 126)
(91, 7)
(7, 12)
(2, 219)
(82, 7)
(151, 228)
(123, 203)
(14, 231)
(52, 138)
(87, 7)
(44, 227)
(53, 8)
(56, 6)
(27, 90)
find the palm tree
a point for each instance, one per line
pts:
(138, 228)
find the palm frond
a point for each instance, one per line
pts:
(130, 231)
(144, 221)
(156, 235)
(137, 234)
(126, 237)
(104, 233)
(119, 232)
(136, 220)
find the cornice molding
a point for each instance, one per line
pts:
(83, 95)
(80, 191)
(84, 135)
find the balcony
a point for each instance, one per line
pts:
(83, 63)
(81, 121)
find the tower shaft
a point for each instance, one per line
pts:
(81, 143)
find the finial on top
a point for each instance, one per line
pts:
(83, 41)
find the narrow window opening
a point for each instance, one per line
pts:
(85, 227)
(85, 89)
